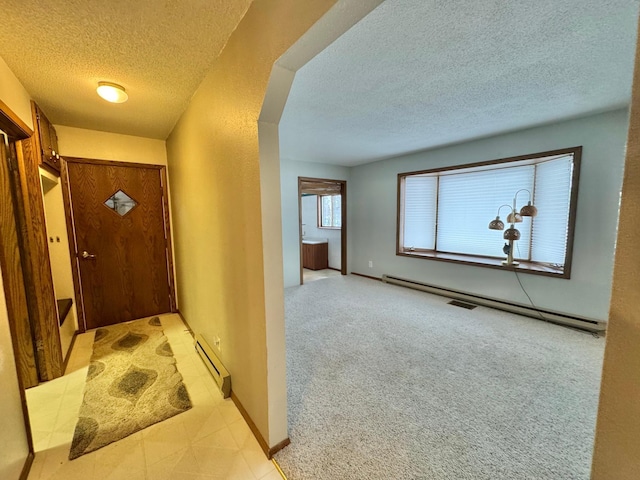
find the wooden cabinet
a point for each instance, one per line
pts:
(47, 139)
(315, 256)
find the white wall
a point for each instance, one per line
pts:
(289, 173)
(310, 229)
(13, 436)
(373, 201)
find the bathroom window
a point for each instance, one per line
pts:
(329, 211)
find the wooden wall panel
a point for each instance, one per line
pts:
(10, 262)
(36, 262)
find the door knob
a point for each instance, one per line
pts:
(86, 254)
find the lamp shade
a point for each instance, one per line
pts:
(514, 217)
(511, 234)
(528, 210)
(496, 224)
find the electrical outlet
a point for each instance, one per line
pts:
(216, 343)
(370, 263)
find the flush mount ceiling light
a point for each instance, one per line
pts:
(112, 92)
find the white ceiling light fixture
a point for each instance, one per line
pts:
(112, 92)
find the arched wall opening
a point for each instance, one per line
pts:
(279, 232)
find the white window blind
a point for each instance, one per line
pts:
(552, 198)
(420, 200)
(469, 201)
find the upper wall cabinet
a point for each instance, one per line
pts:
(47, 139)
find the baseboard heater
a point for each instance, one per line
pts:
(214, 365)
(554, 317)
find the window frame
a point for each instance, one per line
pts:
(320, 210)
(535, 268)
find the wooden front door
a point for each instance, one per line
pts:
(120, 225)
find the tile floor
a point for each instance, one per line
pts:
(210, 441)
(313, 275)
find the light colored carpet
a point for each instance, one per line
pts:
(132, 383)
(386, 382)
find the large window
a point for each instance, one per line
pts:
(444, 214)
(329, 211)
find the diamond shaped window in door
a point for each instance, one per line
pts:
(121, 203)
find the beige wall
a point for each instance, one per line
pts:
(617, 447)
(13, 94)
(13, 436)
(93, 144)
(58, 242)
(83, 143)
(215, 174)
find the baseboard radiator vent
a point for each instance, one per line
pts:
(540, 314)
(214, 365)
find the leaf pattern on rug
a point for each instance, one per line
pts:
(132, 383)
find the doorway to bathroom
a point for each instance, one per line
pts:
(322, 212)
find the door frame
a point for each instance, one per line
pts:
(73, 247)
(17, 304)
(33, 245)
(343, 213)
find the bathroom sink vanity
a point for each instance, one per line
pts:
(315, 253)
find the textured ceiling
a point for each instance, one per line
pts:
(159, 50)
(416, 74)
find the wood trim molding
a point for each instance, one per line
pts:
(68, 355)
(167, 233)
(34, 251)
(37, 264)
(573, 208)
(343, 230)
(342, 184)
(300, 229)
(279, 446)
(114, 163)
(36, 261)
(366, 276)
(269, 452)
(12, 124)
(489, 262)
(184, 320)
(26, 469)
(252, 426)
(12, 271)
(485, 163)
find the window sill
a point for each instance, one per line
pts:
(489, 262)
(331, 228)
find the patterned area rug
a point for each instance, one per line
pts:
(132, 383)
